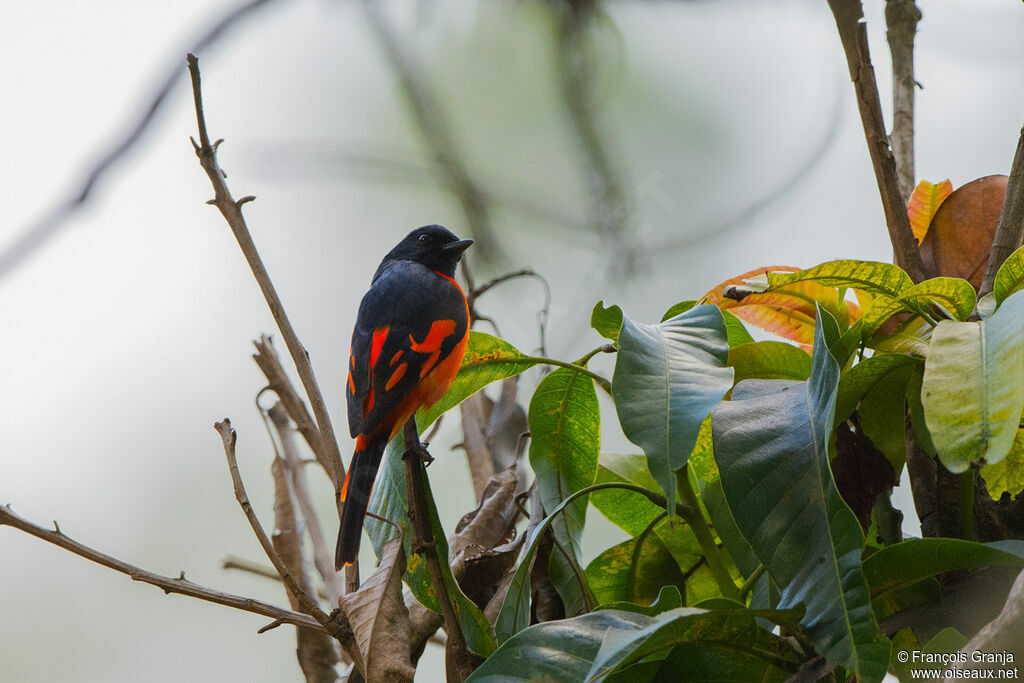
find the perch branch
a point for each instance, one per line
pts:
(232, 212)
(36, 235)
(458, 659)
(849, 16)
(179, 585)
(1010, 229)
(901, 17)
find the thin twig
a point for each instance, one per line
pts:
(322, 557)
(1010, 229)
(38, 234)
(901, 17)
(436, 132)
(232, 212)
(336, 623)
(277, 379)
(306, 603)
(179, 585)
(458, 658)
(849, 16)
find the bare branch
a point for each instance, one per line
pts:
(277, 379)
(901, 17)
(322, 556)
(436, 132)
(849, 16)
(232, 212)
(38, 234)
(1010, 229)
(180, 585)
(317, 653)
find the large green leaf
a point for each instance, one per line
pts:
(870, 276)
(769, 360)
(595, 645)
(667, 379)
(771, 444)
(389, 499)
(488, 359)
(1010, 278)
(565, 442)
(735, 330)
(972, 391)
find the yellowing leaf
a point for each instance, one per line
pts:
(788, 310)
(1007, 475)
(924, 202)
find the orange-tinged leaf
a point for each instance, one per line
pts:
(924, 202)
(787, 311)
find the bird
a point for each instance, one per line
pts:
(407, 346)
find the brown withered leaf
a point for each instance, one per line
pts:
(380, 620)
(861, 472)
(960, 236)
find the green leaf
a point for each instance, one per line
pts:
(676, 309)
(771, 444)
(972, 393)
(607, 321)
(634, 572)
(953, 295)
(735, 331)
(667, 378)
(769, 360)
(625, 509)
(565, 442)
(869, 276)
(589, 647)
(488, 359)
(897, 573)
(916, 409)
(389, 499)
(855, 384)
(1010, 277)
(1007, 475)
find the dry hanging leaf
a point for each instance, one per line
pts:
(960, 236)
(380, 620)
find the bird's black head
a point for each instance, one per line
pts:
(433, 246)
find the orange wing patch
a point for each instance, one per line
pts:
(351, 383)
(396, 375)
(379, 335)
(394, 358)
(439, 331)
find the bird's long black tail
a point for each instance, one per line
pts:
(355, 496)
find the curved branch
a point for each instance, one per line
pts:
(179, 585)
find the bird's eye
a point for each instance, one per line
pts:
(424, 237)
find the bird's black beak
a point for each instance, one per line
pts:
(457, 247)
